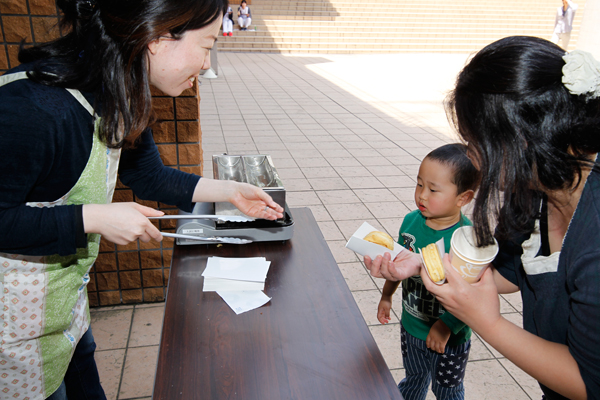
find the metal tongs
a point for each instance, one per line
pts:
(216, 239)
(227, 218)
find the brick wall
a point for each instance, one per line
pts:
(137, 272)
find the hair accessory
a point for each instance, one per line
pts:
(581, 74)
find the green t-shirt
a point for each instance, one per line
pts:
(420, 310)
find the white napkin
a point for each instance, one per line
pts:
(241, 302)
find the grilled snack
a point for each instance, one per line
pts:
(380, 238)
(433, 262)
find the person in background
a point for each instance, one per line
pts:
(431, 338)
(563, 24)
(74, 113)
(228, 22)
(244, 16)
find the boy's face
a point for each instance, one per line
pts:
(435, 194)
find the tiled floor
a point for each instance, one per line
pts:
(346, 134)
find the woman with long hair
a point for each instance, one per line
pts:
(530, 114)
(72, 115)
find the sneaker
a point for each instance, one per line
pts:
(230, 34)
(224, 34)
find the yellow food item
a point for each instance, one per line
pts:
(433, 262)
(380, 238)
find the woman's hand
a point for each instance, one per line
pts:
(405, 265)
(249, 199)
(255, 202)
(477, 305)
(121, 223)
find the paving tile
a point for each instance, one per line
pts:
(356, 276)
(138, 373)
(300, 199)
(363, 182)
(340, 212)
(147, 326)
(327, 183)
(111, 328)
(110, 365)
(330, 230)
(319, 172)
(526, 382)
(487, 379)
(388, 341)
(295, 185)
(392, 209)
(346, 171)
(348, 227)
(367, 302)
(398, 181)
(337, 197)
(340, 253)
(382, 195)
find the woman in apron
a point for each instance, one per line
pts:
(73, 115)
(530, 114)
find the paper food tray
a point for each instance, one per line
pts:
(442, 249)
(364, 248)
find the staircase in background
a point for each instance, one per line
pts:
(369, 26)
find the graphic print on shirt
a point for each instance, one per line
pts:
(409, 241)
(418, 302)
(416, 299)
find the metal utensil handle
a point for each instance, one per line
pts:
(233, 218)
(207, 239)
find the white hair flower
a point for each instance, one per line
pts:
(581, 74)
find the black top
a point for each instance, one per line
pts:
(45, 141)
(563, 306)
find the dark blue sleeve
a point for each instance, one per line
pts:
(44, 145)
(143, 171)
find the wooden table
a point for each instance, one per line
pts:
(309, 342)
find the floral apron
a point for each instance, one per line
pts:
(45, 309)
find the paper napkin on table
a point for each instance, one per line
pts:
(238, 281)
(241, 302)
(223, 273)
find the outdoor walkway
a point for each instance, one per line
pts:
(347, 134)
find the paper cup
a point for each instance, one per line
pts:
(467, 259)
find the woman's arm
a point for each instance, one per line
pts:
(249, 199)
(503, 285)
(478, 306)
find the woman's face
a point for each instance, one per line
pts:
(175, 64)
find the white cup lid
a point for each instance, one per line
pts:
(463, 242)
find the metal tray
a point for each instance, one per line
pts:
(255, 169)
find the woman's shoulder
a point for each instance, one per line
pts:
(26, 97)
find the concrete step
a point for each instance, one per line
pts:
(364, 26)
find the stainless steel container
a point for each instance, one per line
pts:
(257, 170)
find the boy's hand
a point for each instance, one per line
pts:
(438, 337)
(383, 310)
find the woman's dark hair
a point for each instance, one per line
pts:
(464, 174)
(526, 132)
(105, 51)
